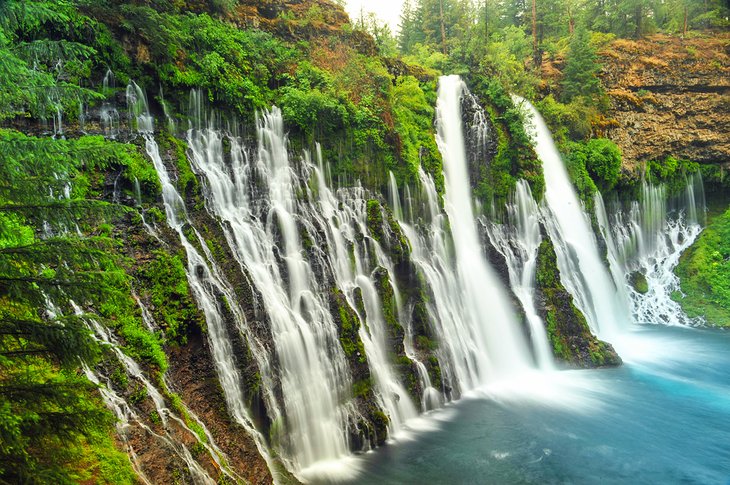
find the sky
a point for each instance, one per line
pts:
(387, 10)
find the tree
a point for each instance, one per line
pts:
(581, 68)
(409, 33)
(380, 31)
(52, 416)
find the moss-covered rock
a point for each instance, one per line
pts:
(639, 283)
(571, 339)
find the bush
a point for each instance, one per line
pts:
(603, 162)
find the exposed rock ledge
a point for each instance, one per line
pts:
(669, 96)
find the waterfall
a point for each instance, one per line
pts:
(647, 240)
(478, 328)
(581, 266)
(203, 276)
(518, 241)
(108, 112)
(172, 424)
(256, 201)
(355, 261)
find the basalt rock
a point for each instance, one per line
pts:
(573, 343)
(669, 96)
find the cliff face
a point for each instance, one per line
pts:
(669, 96)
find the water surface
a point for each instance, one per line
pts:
(663, 417)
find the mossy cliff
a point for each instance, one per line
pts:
(704, 272)
(573, 343)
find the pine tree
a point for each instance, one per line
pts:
(581, 68)
(49, 412)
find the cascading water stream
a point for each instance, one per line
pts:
(168, 418)
(648, 240)
(581, 267)
(255, 200)
(494, 347)
(203, 276)
(478, 333)
(350, 256)
(518, 241)
(432, 252)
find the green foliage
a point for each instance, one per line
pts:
(505, 60)
(581, 68)
(704, 273)
(671, 171)
(164, 282)
(515, 157)
(57, 428)
(380, 31)
(599, 159)
(576, 160)
(235, 67)
(572, 121)
(413, 114)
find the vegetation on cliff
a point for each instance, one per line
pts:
(55, 427)
(571, 339)
(704, 272)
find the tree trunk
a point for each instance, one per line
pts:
(486, 20)
(638, 18)
(535, 50)
(443, 26)
(571, 21)
(684, 29)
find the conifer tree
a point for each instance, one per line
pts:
(581, 68)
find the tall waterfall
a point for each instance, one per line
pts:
(255, 200)
(582, 269)
(493, 347)
(345, 218)
(646, 240)
(204, 278)
(519, 240)
(297, 241)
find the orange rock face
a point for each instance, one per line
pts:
(669, 96)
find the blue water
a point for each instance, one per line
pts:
(662, 418)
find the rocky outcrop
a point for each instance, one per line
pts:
(669, 96)
(570, 337)
(296, 20)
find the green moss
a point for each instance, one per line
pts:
(349, 327)
(671, 172)
(388, 302)
(164, 284)
(704, 273)
(362, 388)
(380, 420)
(567, 328)
(639, 283)
(375, 220)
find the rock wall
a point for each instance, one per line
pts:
(669, 96)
